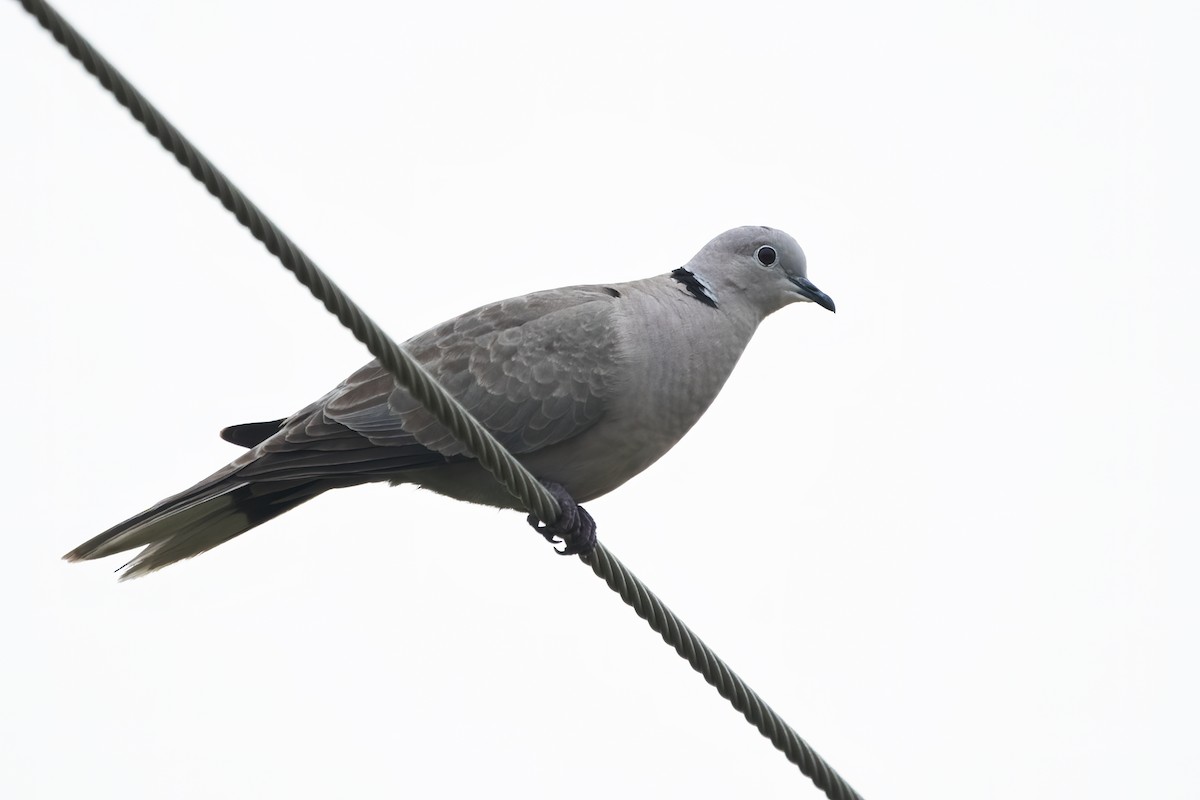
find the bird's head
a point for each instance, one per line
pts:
(757, 265)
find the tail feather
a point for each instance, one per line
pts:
(195, 521)
(251, 434)
(147, 527)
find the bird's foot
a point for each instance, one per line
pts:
(574, 527)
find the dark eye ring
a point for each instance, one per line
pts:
(766, 255)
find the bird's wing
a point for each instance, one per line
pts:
(534, 370)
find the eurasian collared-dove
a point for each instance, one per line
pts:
(586, 385)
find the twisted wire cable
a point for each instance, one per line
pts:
(718, 674)
(448, 411)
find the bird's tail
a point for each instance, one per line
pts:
(196, 520)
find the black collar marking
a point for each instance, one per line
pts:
(695, 286)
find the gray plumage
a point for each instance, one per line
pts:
(586, 385)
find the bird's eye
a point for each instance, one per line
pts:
(766, 255)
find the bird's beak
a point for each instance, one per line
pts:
(805, 289)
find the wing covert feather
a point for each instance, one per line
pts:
(535, 370)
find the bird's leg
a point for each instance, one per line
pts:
(574, 527)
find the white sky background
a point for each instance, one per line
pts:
(948, 533)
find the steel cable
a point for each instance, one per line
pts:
(448, 411)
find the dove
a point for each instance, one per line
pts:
(586, 385)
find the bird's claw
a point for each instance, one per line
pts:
(574, 527)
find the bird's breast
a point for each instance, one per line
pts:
(674, 360)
